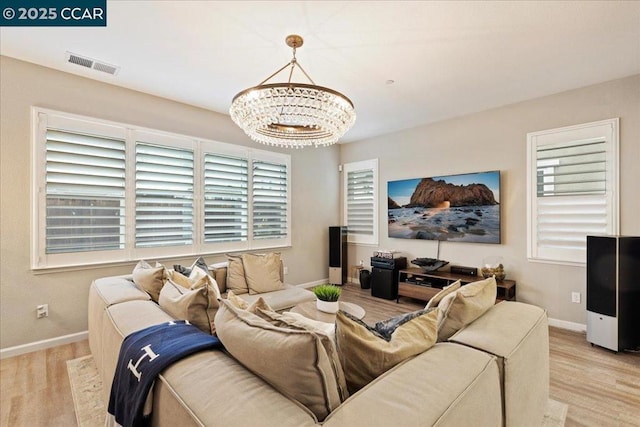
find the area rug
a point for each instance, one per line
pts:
(86, 388)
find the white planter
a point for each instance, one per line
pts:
(328, 306)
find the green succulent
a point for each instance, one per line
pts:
(327, 292)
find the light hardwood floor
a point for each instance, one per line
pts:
(601, 388)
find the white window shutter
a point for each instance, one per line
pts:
(361, 201)
(164, 196)
(572, 191)
(225, 198)
(270, 200)
(85, 192)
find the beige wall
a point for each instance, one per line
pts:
(496, 139)
(315, 203)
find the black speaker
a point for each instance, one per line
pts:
(365, 279)
(613, 291)
(337, 255)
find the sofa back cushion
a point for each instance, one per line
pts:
(235, 275)
(262, 272)
(465, 305)
(293, 361)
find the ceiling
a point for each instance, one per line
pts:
(403, 64)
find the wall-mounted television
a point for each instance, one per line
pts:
(455, 208)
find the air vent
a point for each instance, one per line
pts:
(83, 61)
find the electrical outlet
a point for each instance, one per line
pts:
(285, 270)
(42, 311)
(575, 297)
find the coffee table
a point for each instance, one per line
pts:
(308, 309)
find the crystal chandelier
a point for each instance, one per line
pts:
(293, 115)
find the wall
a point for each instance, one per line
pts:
(496, 139)
(315, 203)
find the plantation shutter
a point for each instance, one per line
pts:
(270, 200)
(164, 196)
(575, 186)
(225, 199)
(85, 192)
(360, 201)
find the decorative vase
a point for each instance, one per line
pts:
(328, 306)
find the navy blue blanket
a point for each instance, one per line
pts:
(143, 355)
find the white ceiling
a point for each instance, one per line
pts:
(446, 58)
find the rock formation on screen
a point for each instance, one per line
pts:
(431, 194)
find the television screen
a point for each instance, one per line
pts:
(456, 208)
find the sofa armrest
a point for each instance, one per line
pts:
(518, 335)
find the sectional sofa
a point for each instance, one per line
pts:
(492, 372)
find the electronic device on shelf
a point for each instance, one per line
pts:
(429, 264)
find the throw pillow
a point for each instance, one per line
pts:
(235, 275)
(460, 308)
(198, 303)
(219, 272)
(186, 271)
(149, 278)
(366, 353)
(262, 272)
(292, 360)
(433, 302)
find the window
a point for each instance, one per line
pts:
(109, 192)
(361, 201)
(572, 189)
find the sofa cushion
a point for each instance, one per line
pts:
(518, 334)
(235, 275)
(149, 278)
(281, 300)
(435, 300)
(293, 361)
(198, 303)
(449, 385)
(465, 305)
(366, 353)
(262, 272)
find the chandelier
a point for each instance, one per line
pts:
(293, 115)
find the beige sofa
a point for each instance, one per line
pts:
(493, 372)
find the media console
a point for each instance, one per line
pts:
(418, 284)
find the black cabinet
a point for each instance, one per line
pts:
(613, 291)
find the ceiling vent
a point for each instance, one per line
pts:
(94, 64)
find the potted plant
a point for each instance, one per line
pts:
(327, 298)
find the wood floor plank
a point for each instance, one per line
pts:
(602, 388)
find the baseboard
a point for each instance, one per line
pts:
(563, 324)
(314, 283)
(42, 345)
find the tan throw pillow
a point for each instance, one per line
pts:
(433, 302)
(292, 360)
(149, 278)
(465, 305)
(219, 272)
(366, 353)
(235, 275)
(262, 272)
(237, 301)
(198, 304)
